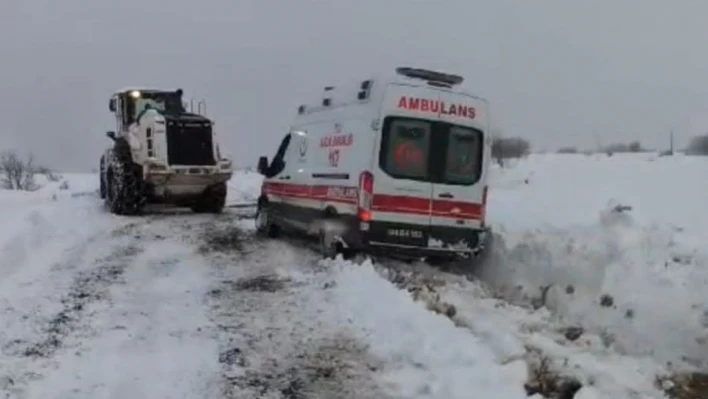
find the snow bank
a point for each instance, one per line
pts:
(555, 215)
(244, 187)
(636, 276)
(427, 355)
(28, 219)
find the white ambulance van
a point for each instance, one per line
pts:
(395, 165)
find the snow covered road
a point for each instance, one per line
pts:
(178, 305)
(160, 308)
(189, 306)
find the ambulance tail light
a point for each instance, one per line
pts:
(366, 195)
(484, 203)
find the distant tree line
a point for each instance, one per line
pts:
(504, 148)
(698, 145)
(633, 146)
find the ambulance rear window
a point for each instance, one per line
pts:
(464, 156)
(431, 151)
(405, 149)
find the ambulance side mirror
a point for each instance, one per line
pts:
(263, 165)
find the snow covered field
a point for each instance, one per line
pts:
(580, 293)
(650, 261)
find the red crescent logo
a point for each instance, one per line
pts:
(406, 154)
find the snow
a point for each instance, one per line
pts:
(136, 307)
(244, 187)
(650, 260)
(429, 356)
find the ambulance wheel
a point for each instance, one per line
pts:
(213, 199)
(488, 250)
(442, 262)
(264, 221)
(329, 248)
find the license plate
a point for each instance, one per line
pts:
(404, 233)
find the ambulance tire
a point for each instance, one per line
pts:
(212, 200)
(489, 251)
(441, 262)
(264, 221)
(329, 248)
(124, 186)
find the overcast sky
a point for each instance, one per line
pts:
(560, 72)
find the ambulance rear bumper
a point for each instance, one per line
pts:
(415, 241)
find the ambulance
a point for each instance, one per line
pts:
(394, 165)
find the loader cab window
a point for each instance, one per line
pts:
(163, 102)
(157, 104)
(119, 112)
(128, 107)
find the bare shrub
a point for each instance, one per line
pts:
(51, 175)
(509, 147)
(546, 380)
(698, 145)
(634, 146)
(17, 173)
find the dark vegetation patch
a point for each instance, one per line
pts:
(685, 385)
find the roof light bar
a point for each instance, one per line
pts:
(432, 76)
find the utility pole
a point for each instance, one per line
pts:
(671, 142)
(598, 141)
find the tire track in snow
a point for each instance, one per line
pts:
(89, 286)
(49, 315)
(273, 333)
(153, 339)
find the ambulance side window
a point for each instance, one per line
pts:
(277, 165)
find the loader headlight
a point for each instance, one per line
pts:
(135, 94)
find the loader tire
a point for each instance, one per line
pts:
(102, 178)
(213, 200)
(124, 185)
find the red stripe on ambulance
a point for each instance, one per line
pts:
(381, 203)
